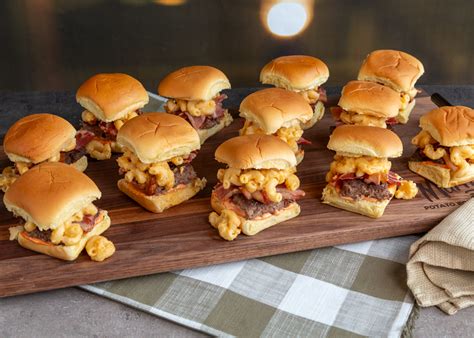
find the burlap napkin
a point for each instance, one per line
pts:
(441, 264)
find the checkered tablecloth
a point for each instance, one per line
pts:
(354, 289)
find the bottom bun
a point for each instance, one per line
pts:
(65, 252)
(438, 175)
(159, 203)
(204, 134)
(80, 164)
(404, 115)
(318, 114)
(363, 207)
(299, 156)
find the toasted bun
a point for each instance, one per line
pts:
(193, 83)
(160, 203)
(156, 137)
(80, 164)
(273, 108)
(450, 126)
(363, 207)
(393, 68)
(256, 151)
(318, 113)
(438, 175)
(353, 140)
(370, 98)
(111, 96)
(38, 137)
(49, 194)
(404, 115)
(204, 134)
(69, 252)
(295, 72)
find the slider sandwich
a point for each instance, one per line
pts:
(445, 153)
(359, 179)
(257, 189)
(397, 70)
(194, 93)
(302, 74)
(57, 216)
(156, 163)
(109, 101)
(40, 138)
(279, 112)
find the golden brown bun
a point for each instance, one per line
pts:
(254, 226)
(38, 137)
(393, 68)
(295, 72)
(156, 137)
(365, 141)
(50, 193)
(370, 98)
(363, 207)
(193, 83)
(438, 175)
(404, 115)
(80, 164)
(256, 151)
(273, 108)
(111, 96)
(204, 134)
(318, 113)
(450, 126)
(69, 252)
(160, 203)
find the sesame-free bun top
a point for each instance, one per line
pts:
(257, 152)
(111, 96)
(353, 140)
(156, 137)
(273, 108)
(38, 137)
(394, 68)
(370, 98)
(193, 83)
(295, 72)
(50, 193)
(450, 126)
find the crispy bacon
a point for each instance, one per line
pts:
(88, 222)
(83, 137)
(393, 178)
(336, 112)
(449, 163)
(108, 128)
(196, 121)
(302, 140)
(291, 194)
(391, 121)
(374, 178)
(322, 95)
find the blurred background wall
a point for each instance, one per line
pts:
(57, 44)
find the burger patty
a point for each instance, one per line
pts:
(254, 208)
(99, 132)
(45, 235)
(182, 175)
(211, 122)
(356, 189)
(72, 156)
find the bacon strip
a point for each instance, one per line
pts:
(83, 137)
(322, 95)
(302, 140)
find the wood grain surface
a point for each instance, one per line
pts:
(182, 238)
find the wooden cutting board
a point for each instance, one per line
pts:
(181, 237)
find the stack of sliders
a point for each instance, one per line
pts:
(158, 150)
(258, 189)
(279, 112)
(445, 153)
(359, 179)
(397, 70)
(302, 74)
(194, 93)
(54, 204)
(109, 101)
(39, 138)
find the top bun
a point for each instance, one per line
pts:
(111, 96)
(353, 140)
(38, 137)
(273, 108)
(295, 72)
(156, 137)
(49, 194)
(393, 68)
(450, 126)
(257, 152)
(193, 83)
(370, 98)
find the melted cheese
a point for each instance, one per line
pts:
(90, 118)
(407, 190)
(358, 165)
(311, 95)
(362, 119)
(193, 107)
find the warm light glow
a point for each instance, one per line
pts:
(287, 18)
(170, 2)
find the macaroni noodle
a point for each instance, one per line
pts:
(99, 248)
(228, 224)
(358, 165)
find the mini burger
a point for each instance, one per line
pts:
(194, 93)
(360, 179)
(397, 70)
(279, 112)
(156, 164)
(302, 74)
(367, 104)
(257, 189)
(109, 101)
(56, 213)
(40, 138)
(445, 153)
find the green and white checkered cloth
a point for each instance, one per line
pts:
(353, 289)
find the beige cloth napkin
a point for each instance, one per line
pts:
(441, 265)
